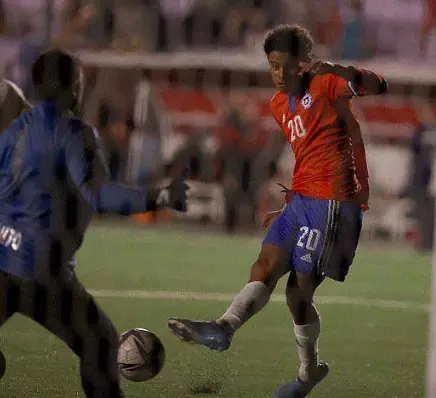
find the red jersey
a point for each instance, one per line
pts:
(330, 161)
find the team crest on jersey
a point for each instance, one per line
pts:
(307, 101)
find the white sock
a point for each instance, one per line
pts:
(307, 347)
(250, 300)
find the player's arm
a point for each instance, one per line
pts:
(342, 106)
(364, 82)
(349, 81)
(87, 167)
(359, 154)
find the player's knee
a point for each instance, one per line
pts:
(260, 270)
(100, 323)
(111, 335)
(269, 266)
(299, 308)
(303, 285)
(299, 298)
(105, 337)
(303, 310)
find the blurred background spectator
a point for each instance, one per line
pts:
(76, 17)
(350, 29)
(214, 120)
(175, 23)
(418, 187)
(353, 30)
(241, 141)
(428, 33)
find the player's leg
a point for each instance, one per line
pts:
(299, 297)
(217, 335)
(9, 297)
(317, 220)
(9, 301)
(331, 255)
(271, 264)
(63, 306)
(307, 326)
(99, 343)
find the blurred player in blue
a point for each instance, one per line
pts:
(316, 234)
(53, 178)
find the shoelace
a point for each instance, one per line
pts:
(284, 189)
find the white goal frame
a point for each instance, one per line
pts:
(431, 356)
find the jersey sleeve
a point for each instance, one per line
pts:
(274, 110)
(88, 169)
(337, 87)
(353, 82)
(84, 158)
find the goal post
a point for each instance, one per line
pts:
(431, 356)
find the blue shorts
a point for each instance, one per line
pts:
(320, 235)
(25, 251)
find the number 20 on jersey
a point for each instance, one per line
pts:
(296, 128)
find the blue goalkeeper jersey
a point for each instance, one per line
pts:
(53, 177)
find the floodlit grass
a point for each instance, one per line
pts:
(373, 351)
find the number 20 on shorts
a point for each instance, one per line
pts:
(309, 238)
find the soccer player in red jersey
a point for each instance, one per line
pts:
(316, 234)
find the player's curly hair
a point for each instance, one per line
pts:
(289, 38)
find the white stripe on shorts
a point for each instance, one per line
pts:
(330, 236)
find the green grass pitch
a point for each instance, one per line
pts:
(374, 325)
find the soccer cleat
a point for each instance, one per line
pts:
(209, 334)
(299, 389)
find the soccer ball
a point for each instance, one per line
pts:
(141, 355)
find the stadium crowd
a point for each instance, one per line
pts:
(351, 29)
(355, 29)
